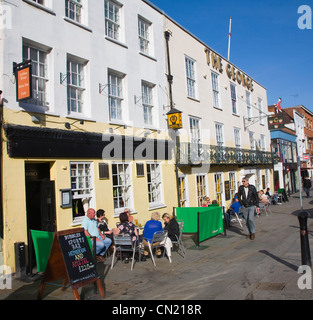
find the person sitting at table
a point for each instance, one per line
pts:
(273, 197)
(126, 227)
(103, 224)
(206, 202)
(130, 218)
(150, 228)
(235, 206)
(263, 197)
(171, 225)
(90, 225)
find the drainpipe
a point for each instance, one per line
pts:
(170, 83)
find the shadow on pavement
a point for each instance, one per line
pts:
(284, 262)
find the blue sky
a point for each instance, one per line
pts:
(266, 42)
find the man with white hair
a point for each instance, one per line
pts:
(90, 225)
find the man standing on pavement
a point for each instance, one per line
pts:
(307, 186)
(249, 200)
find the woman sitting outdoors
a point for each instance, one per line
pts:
(126, 227)
(150, 228)
(171, 225)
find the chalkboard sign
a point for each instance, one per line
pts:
(71, 259)
(77, 257)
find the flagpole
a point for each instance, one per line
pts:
(229, 37)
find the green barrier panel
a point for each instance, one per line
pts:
(42, 241)
(210, 223)
(190, 217)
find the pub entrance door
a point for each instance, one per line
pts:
(40, 203)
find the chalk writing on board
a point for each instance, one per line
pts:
(78, 257)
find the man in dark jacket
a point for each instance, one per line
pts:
(249, 200)
(307, 186)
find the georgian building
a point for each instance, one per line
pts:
(225, 132)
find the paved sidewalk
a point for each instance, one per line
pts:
(226, 267)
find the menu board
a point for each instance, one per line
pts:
(71, 259)
(77, 257)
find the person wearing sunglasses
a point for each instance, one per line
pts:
(249, 200)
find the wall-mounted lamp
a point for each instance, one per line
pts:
(68, 125)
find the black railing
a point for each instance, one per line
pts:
(196, 154)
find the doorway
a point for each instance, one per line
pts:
(40, 203)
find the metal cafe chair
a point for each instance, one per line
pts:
(123, 242)
(179, 241)
(158, 240)
(265, 207)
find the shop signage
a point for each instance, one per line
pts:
(174, 118)
(306, 157)
(23, 74)
(276, 122)
(234, 74)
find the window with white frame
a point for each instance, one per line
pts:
(82, 188)
(144, 36)
(219, 134)
(252, 140)
(233, 98)
(249, 106)
(237, 135)
(262, 142)
(191, 77)
(112, 13)
(115, 89)
(195, 138)
(40, 79)
(194, 125)
(215, 89)
(261, 112)
(182, 191)
(201, 189)
(154, 180)
(75, 86)
(219, 188)
(122, 186)
(147, 102)
(73, 10)
(232, 184)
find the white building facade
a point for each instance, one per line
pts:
(95, 128)
(225, 132)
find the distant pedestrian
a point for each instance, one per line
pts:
(249, 200)
(307, 186)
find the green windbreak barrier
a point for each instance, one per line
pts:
(210, 223)
(42, 241)
(210, 220)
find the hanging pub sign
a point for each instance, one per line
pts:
(23, 75)
(276, 122)
(174, 119)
